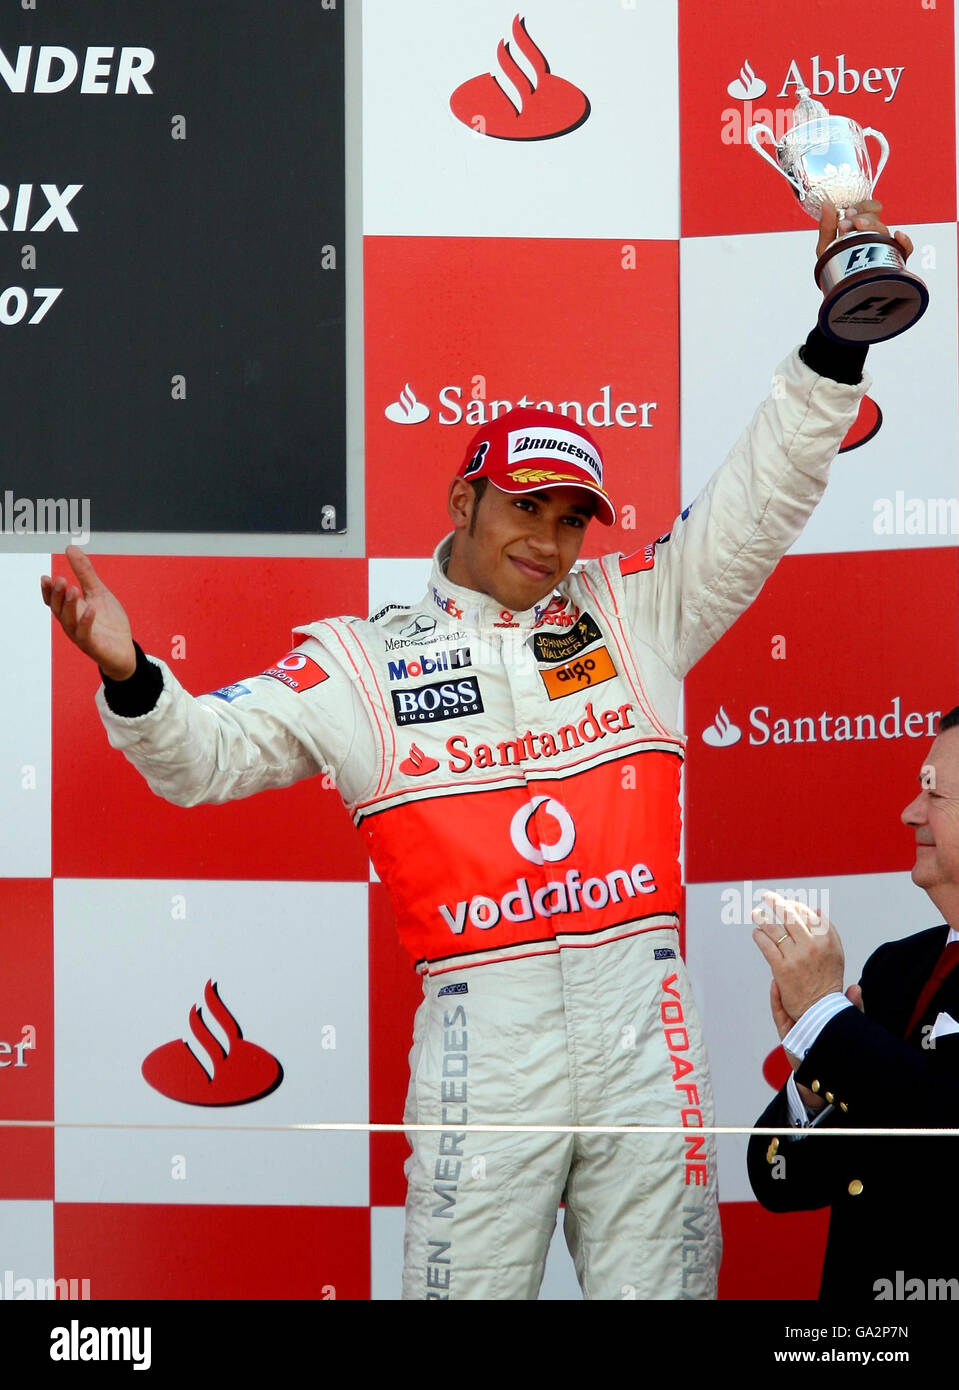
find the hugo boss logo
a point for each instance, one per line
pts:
(440, 700)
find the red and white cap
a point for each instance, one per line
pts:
(529, 450)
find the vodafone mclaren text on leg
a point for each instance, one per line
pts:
(698, 1159)
(450, 1154)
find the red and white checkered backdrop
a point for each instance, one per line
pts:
(644, 263)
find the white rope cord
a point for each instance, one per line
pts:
(361, 1127)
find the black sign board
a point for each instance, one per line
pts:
(172, 262)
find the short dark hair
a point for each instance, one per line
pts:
(949, 720)
(479, 486)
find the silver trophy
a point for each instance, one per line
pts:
(869, 295)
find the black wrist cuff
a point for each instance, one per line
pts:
(842, 362)
(139, 693)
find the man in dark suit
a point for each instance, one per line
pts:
(883, 1055)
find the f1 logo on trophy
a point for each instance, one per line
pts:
(869, 295)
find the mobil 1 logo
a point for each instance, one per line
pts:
(441, 700)
(425, 664)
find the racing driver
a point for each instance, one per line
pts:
(524, 714)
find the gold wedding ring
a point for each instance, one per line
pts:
(781, 939)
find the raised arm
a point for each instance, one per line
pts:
(688, 588)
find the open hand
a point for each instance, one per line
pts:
(803, 950)
(91, 616)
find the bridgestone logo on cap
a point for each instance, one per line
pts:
(560, 445)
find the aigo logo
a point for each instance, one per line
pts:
(585, 671)
(541, 853)
(520, 103)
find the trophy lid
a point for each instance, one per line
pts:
(809, 125)
(808, 108)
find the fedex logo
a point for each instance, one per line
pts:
(447, 605)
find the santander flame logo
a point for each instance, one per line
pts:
(722, 732)
(407, 410)
(511, 105)
(418, 763)
(747, 86)
(241, 1073)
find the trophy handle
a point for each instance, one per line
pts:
(884, 147)
(752, 135)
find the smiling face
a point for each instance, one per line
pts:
(516, 547)
(934, 815)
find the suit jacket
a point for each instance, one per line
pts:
(893, 1201)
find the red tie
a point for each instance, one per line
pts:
(946, 963)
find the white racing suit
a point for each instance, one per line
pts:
(517, 776)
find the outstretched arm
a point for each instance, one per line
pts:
(210, 748)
